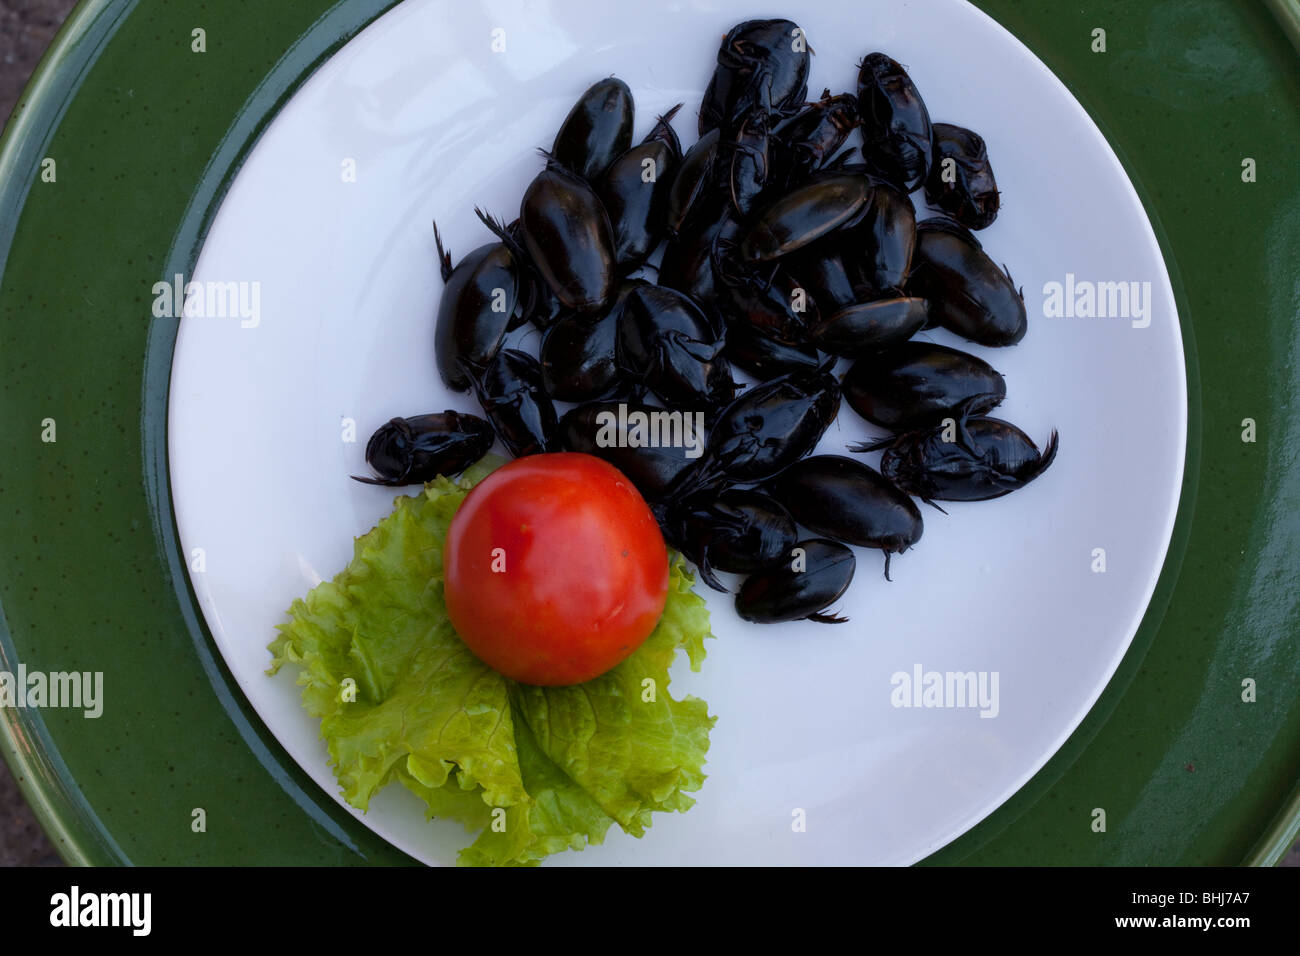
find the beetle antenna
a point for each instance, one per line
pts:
(473, 372)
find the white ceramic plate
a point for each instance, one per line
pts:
(434, 122)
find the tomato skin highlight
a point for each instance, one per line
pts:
(555, 569)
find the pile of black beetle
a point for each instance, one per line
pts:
(782, 256)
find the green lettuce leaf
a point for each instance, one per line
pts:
(535, 770)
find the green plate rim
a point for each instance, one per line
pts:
(42, 777)
(58, 802)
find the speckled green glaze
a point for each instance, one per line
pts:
(146, 136)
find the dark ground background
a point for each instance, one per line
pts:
(26, 29)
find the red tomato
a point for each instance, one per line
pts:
(555, 569)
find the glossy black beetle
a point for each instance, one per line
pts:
(667, 344)
(885, 243)
(604, 429)
(850, 502)
(972, 459)
(480, 297)
(746, 163)
(691, 184)
(758, 61)
(579, 354)
(805, 214)
(968, 293)
(869, 326)
(634, 191)
(411, 451)
(688, 262)
(597, 130)
(807, 140)
(765, 357)
(814, 577)
(896, 131)
(769, 427)
(961, 179)
(735, 530)
(916, 384)
(513, 396)
(569, 239)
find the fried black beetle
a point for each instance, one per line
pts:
(850, 502)
(746, 161)
(597, 130)
(973, 459)
(513, 396)
(916, 384)
(480, 296)
(735, 530)
(968, 293)
(770, 426)
(767, 59)
(634, 191)
(579, 354)
(569, 239)
(961, 179)
(692, 182)
(869, 326)
(816, 575)
(411, 451)
(753, 350)
(807, 140)
(896, 131)
(688, 262)
(885, 240)
(804, 215)
(605, 429)
(667, 344)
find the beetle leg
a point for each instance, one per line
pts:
(498, 229)
(821, 617)
(706, 571)
(524, 306)
(860, 215)
(387, 482)
(863, 447)
(444, 257)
